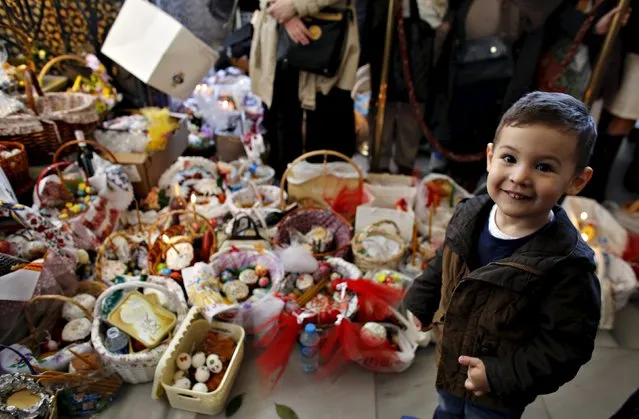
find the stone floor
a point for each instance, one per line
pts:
(597, 392)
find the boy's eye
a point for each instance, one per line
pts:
(544, 167)
(508, 159)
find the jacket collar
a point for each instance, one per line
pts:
(553, 244)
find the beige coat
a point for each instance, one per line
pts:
(264, 55)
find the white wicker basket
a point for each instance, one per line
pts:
(139, 367)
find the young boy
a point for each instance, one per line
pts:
(512, 294)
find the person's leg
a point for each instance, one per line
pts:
(631, 178)
(409, 135)
(388, 133)
(283, 121)
(449, 407)
(475, 411)
(612, 130)
(331, 125)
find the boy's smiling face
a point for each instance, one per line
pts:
(530, 168)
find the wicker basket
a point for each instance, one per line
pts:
(139, 367)
(37, 333)
(132, 240)
(304, 219)
(321, 189)
(157, 248)
(52, 121)
(367, 263)
(15, 167)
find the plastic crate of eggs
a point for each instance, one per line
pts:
(198, 369)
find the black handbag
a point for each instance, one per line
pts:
(323, 55)
(482, 59)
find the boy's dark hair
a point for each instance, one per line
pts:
(556, 110)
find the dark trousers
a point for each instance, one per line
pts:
(453, 407)
(330, 126)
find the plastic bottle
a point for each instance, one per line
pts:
(309, 342)
(437, 162)
(116, 341)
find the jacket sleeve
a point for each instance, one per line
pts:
(310, 7)
(565, 340)
(422, 298)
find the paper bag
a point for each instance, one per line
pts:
(157, 49)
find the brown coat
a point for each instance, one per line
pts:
(263, 57)
(531, 318)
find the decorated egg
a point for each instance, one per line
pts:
(261, 270)
(249, 277)
(76, 329)
(178, 374)
(335, 276)
(304, 282)
(214, 363)
(264, 282)
(202, 374)
(236, 290)
(183, 362)
(198, 359)
(200, 388)
(227, 276)
(183, 382)
(166, 272)
(373, 334)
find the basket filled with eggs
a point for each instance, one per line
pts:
(179, 239)
(195, 182)
(320, 230)
(14, 163)
(240, 172)
(233, 281)
(199, 367)
(131, 336)
(313, 296)
(263, 199)
(122, 253)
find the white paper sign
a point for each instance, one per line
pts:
(157, 49)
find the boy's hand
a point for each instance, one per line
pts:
(477, 382)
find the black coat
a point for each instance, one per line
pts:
(531, 318)
(419, 38)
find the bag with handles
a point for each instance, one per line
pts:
(323, 55)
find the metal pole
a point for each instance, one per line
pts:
(602, 61)
(383, 87)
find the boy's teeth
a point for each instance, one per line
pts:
(516, 195)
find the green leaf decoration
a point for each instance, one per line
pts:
(234, 405)
(285, 412)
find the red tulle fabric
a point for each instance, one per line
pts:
(347, 201)
(344, 343)
(373, 299)
(279, 341)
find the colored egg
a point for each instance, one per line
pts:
(227, 276)
(80, 192)
(264, 282)
(165, 271)
(261, 270)
(176, 276)
(68, 205)
(82, 185)
(82, 207)
(88, 190)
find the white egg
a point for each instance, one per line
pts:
(198, 360)
(214, 363)
(178, 374)
(183, 361)
(202, 374)
(183, 382)
(200, 388)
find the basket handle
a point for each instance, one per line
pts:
(99, 147)
(29, 320)
(103, 248)
(324, 153)
(169, 215)
(135, 285)
(250, 224)
(55, 61)
(47, 170)
(376, 226)
(30, 83)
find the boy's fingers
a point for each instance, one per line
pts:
(469, 385)
(469, 361)
(478, 393)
